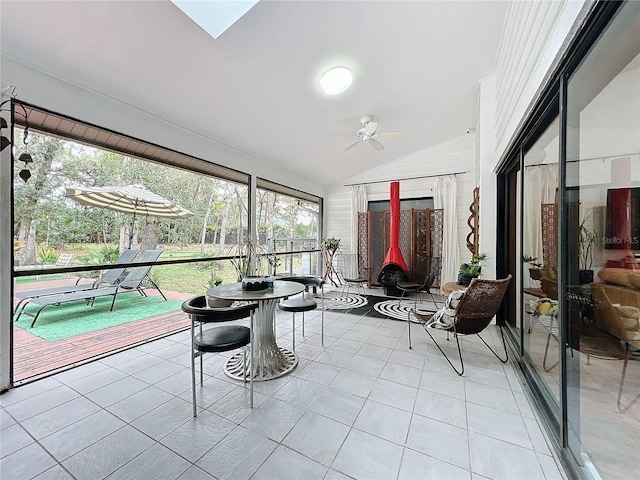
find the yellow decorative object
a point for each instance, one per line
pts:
(544, 308)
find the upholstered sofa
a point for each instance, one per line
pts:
(616, 301)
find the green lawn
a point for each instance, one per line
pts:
(191, 278)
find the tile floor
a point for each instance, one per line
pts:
(363, 406)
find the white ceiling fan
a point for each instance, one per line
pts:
(368, 133)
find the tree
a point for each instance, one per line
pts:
(149, 235)
(205, 221)
(29, 194)
(266, 206)
(227, 190)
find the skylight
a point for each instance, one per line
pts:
(214, 17)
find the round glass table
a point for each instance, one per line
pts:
(269, 360)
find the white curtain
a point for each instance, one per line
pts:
(540, 187)
(445, 193)
(358, 204)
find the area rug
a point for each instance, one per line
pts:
(375, 306)
(77, 318)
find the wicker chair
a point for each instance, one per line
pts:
(473, 314)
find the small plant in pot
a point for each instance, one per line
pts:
(471, 270)
(215, 280)
(535, 267)
(587, 243)
(274, 263)
(331, 244)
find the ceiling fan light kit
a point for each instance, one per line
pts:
(368, 134)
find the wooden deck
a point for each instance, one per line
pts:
(33, 356)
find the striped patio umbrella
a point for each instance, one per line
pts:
(134, 199)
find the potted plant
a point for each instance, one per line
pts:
(274, 263)
(548, 272)
(248, 260)
(586, 245)
(471, 270)
(214, 280)
(330, 246)
(535, 267)
(549, 282)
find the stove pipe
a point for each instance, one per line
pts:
(394, 255)
(393, 268)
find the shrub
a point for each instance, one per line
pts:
(46, 254)
(99, 257)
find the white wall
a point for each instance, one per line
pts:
(457, 155)
(488, 180)
(534, 37)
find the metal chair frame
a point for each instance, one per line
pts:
(199, 313)
(474, 313)
(349, 279)
(303, 304)
(425, 286)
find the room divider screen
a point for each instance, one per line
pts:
(420, 238)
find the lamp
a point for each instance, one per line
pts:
(336, 80)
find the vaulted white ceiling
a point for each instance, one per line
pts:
(416, 66)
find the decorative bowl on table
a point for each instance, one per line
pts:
(254, 284)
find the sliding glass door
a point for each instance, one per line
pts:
(574, 238)
(540, 317)
(602, 212)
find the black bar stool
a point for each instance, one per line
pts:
(302, 304)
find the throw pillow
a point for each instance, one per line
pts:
(634, 280)
(616, 276)
(447, 314)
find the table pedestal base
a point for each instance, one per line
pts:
(269, 360)
(286, 362)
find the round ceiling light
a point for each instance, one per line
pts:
(336, 80)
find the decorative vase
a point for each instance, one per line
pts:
(464, 279)
(218, 302)
(586, 277)
(254, 283)
(535, 273)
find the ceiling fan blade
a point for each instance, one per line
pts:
(351, 146)
(391, 134)
(370, 128)
(375, 144)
